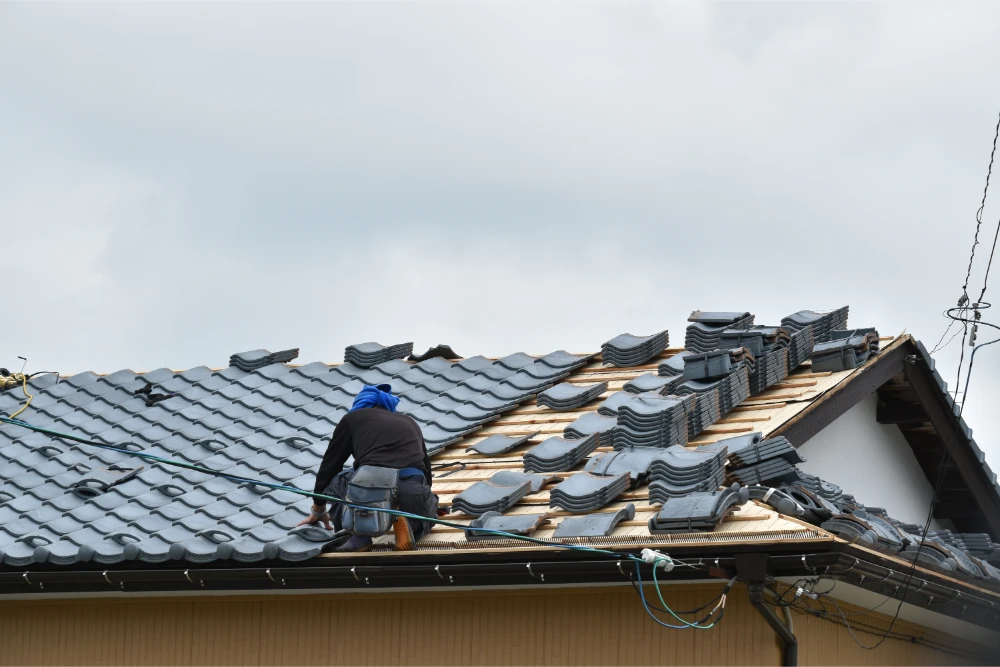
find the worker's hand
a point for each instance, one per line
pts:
(318, 514)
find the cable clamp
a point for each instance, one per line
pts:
(540, 577)
(809, 569)
(620, 570)
(449, 579)
(657, 559)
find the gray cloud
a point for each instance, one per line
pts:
(190, 180)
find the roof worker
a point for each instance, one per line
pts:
(391, 470)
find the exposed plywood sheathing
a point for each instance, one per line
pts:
(765, 412)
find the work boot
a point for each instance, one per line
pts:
(355, 544)
(403, 534)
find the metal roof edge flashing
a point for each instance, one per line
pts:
(927, 590)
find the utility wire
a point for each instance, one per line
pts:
(979, 213)
(979, 216)
(841, 620)
(938, 345)
(964, 299)
(721, 599)
(951, 312)
(291, 489)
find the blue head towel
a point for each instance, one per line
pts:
(375, 396)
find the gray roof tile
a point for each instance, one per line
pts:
(232, 421)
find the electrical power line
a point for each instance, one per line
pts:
(979, 214)
(964, 299)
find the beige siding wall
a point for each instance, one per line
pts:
(597, 626)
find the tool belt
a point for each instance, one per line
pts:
(371, 487)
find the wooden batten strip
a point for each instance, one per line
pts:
(742, 420)
(730, 429)
(785, 384)
(743, 407)
(548, 419)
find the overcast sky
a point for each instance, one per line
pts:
(179, 182)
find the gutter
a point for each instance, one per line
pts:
(865, 570)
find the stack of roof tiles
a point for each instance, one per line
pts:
(257, 359)
(769, 462)
(769, 369)
(678, 471)
(592, 423)
(610, 406)
(367, 355)
(515, 477)
(800, 346)
(633, 460)
(557, 454)
(706, 411)
(757, 339)
(716, 364)
(650, 420)
(706, 328)
(650, 382)
(566, 396)
(629, 350)
(489, 496)
(715, 398)
(822, 322)
(674, 366)
(845, 350)
(697, 511)
(766, 450)
(586, 492)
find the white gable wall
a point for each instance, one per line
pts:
(871, 461)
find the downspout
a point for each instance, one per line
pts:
(752, 570)
(790, 645)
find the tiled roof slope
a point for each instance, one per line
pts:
(63, 504)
